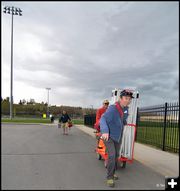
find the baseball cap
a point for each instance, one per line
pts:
(127, 92)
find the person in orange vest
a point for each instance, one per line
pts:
(99, 113)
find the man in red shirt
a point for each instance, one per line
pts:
(99, 113)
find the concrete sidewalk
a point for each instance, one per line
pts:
(162, 162)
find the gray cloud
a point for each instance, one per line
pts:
(84, 50)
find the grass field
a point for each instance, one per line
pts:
(152, 133)
(78, 121)
(156, 124)
(25, 120)
(36, 120)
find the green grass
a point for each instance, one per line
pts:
(78, 121)
(26, 120)
(156, 124)
(154, 136)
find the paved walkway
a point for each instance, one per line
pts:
(162, 162)
(40, 157)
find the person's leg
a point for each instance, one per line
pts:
(66, 127)
(111, 158)
(117, 148)
(63, 127)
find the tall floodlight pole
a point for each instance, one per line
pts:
(91, 108)
(48, 100)
(13, 11)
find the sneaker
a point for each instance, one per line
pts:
(115, 177)
(110, 182)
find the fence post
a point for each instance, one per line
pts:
(137, 120)
(164, 132)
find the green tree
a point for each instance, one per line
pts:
(20, 102)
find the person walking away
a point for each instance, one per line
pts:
(111, 126)
(64, 119)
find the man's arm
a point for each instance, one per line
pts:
(68, 117)
(105, 119)
(98, 116)
(60, 119)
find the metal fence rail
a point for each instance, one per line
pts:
(159, 126)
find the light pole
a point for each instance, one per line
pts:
(91, 108)
(48, 101)
(13, 11)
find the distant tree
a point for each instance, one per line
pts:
(5, 105)
(20, 102)
(32, 101)
(7, 99)
(31, 107)
(23, 101)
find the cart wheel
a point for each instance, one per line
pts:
(99, 157)
(123, 164)
(105, 163)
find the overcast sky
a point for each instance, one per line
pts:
(84, 50)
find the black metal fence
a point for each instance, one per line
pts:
(157, 126)
(89, 120)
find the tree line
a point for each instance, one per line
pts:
(32, 108)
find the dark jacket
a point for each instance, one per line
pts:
(64, 118)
